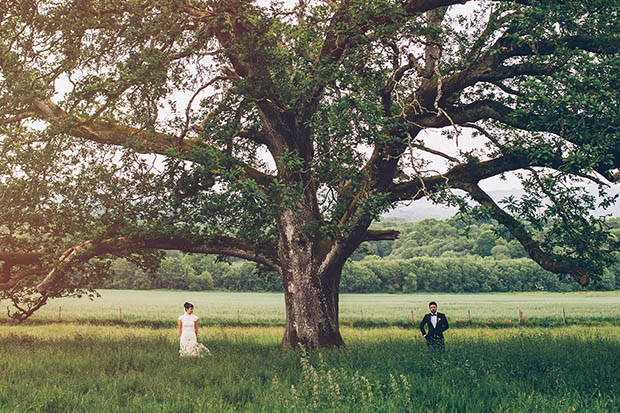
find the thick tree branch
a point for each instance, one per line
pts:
(381, 235)
(472, 172)
(466, 177)
(488, 67)
(230, 246)
(547, 261)
(18, 117)
(81, 252)
(386, 93)
(331, 53)
(222, 245)
(15, 258)
(432, 51)
(415, 7)
(472, 112)
(139, 140)
(14, 279)
(507, 47)
(10, 259)
(427, 97)
(488, 109)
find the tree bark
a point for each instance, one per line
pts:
(310, 294)
(311, 313)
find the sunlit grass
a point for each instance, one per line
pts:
(91, 361)
(158, 308)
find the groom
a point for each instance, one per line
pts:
(436, 323)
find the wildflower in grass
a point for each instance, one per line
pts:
(405, 383)
(275, 386)
(368, 387)
(393, 384)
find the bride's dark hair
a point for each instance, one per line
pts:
(188, 305)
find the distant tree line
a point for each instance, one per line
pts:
(460, 274)
(430, 255)
(179, 271)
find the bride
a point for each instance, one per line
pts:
(188, 331)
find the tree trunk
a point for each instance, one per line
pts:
(310, 294)
(311, 312)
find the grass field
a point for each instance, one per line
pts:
(76, 365)
(378, 309)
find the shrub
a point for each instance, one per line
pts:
(358, 278)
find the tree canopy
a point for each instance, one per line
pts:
(277, 132)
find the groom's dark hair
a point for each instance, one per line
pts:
(432, 303)
(188, 305)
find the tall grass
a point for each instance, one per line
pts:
(91, 361)
(68, 367)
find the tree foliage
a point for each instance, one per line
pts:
(281, 131)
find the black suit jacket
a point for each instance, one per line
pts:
(437, 331)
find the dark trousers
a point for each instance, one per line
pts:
(435, 342)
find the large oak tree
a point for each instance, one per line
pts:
(277, 132)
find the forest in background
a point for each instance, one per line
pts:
(452, 255)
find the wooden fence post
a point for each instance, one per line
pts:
(59, 312)
(412, 319)
(120, 314)
(238, 317)
(563, 316)
(520, 317)
(469, 317)
(362, 311)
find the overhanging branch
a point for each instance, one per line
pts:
(472, 112)
(17, 118)
(139, 140)
(10, 259)
(547, 261)
(223, 245)
(472, 172)
(230, 246)
(466, 177)
(381, 235)
(599, 45)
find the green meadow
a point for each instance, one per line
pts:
(90, 361)
(161, 307)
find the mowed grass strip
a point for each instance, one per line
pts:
(77, 367)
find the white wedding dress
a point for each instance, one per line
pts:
(190, 347)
